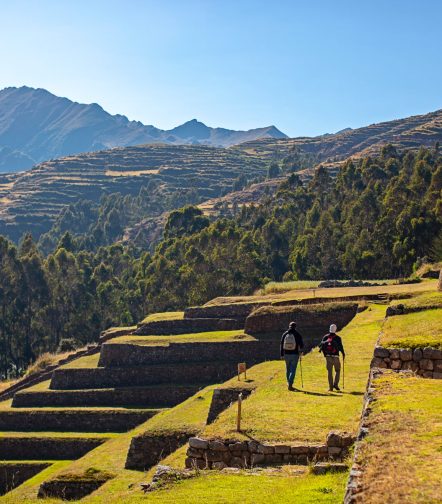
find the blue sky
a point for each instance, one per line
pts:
(309, 67)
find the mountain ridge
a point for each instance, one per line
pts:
(36, 126)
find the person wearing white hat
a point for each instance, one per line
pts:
(330, 346)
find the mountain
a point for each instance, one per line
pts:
(36, 125)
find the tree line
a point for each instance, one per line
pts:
(377, 218)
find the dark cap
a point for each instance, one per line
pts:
(292, 324)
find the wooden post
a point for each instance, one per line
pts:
(238, 417)
(242, 368)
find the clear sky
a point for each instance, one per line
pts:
(308, 67)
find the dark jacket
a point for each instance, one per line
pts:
(299, 343)
(337, 344)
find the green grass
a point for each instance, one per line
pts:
(313, 308)
(274, 414)
(59, 435)
(402, 456)
(413, 330)
(159, 317)
(425, 301)
(88, 361)
(278, 287)
(203, 337)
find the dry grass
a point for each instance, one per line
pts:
(402, 456)
(425, 301)
(45, 360)
(133, 173)
(413, 330)
(159, 317)
(6, 384)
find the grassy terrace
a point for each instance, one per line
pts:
(413, 330)
(279, 287)
(335, 292)
(159, 317)
(204, 337)
(402, 456)
(425, 301)
(274, 414)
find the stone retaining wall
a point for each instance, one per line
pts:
(14, 474)
(426, 362)
(34, 448)
(148, 449)
(222, 398)
(68, 490)
(126, 355)
(237, 311)
(148, 397)
(312, 321)
(197, 372)
(188, 325)
(218, 454)
(72, 420)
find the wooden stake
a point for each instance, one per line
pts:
(238, 417)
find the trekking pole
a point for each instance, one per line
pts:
(300, 367)
(343, 373)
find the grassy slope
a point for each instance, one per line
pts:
(402, 455)
(274, 414)
(413, 330)
(204, 337)
(423, 301)
(159, 317)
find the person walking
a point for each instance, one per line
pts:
(291, 346)
(330, 346)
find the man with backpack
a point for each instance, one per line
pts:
(330, 346)
(291, 345)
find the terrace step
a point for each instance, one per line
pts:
(13, 474)
(47, 447)
(187, 326)
(101, 377)
(147, 397)
(73, 420)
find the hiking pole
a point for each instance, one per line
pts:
(300, 367)
(343, 373)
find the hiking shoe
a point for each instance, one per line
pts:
(330, 390)
(290, 387)
(337, 388)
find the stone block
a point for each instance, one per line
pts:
(192, 463)
(381, 352)
(437, 366)
(191, 452)
(198, 443)
(299, 450)
(217, 446)
(347, 440)
(324, 467)
(213, 456)
(302, 459)
(226, 456)
(322, 451)
(334, 451)
(238, 447)
(406, 354)
(273, 458)
(410, 365)
(219, 466)
(396, 364)
(287, 459)
(417, 354)
(284, 449)
(378, 363)
(237, 462)
(437, 376)
(257, 458)
(432, 353)
(394, 354)
(426, 364)
(265, 449)
(334, 439)
(427, 374)
(253, 446)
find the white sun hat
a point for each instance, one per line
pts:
(333, 328)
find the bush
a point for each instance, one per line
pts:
(68, 345)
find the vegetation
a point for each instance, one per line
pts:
(404, 439)
(413, 330)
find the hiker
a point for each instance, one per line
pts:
(330, 346)
(291, 345)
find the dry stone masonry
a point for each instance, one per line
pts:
(426, 362)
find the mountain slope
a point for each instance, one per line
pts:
(36, 125)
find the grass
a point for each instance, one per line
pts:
(333, 293)
(402, 456)
(413, 330)
(6, 384)
(159, 317)
(274, 414)
(313, 308)
(45, 360)
(88, 361)
(59, 435)
(204, 337)
(280, 287)
(425, 301)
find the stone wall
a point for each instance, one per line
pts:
(68, 490)
(72, 420)
(34, 448)
(237, 311)
(197, 372)
(312, 321)
(188, 325)
(222, 398)
(148, 397)
(426, 362)
(218, 454)
(148, 449)
(14, 474)
(124, 355)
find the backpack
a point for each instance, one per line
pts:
(328, 346)
(289, 342)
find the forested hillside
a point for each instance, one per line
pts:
(377, 218)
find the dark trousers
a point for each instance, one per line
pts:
(291, 363)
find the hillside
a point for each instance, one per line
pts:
(36, 125)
